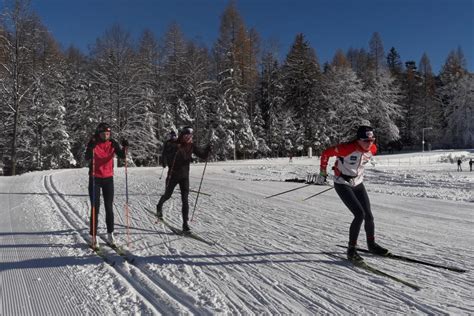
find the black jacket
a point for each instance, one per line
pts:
(178, 156)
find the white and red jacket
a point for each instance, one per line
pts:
(350, 162)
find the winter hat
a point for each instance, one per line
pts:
(102, 127)
(365, 132)
(186, 130)
(172, 135)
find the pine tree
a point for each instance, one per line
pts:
(302, 90)
(271, 100)
(412, 98)
(394, 63)
(430, 107)
(377, 53)
(456, 94)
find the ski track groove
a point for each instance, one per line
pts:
(43, 278)
(237, 305)
(240, 280)
(15, 303)
(171, 289)
(397, 299)
(258, 293)
(179, 300)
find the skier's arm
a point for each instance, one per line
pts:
(201, 152)
(338, 150)
(90, 147)
(163, 155)
(119, 151)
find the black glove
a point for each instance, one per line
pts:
(125, 143)
(115, 144)
(92, 143)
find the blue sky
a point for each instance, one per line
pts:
(411, 26)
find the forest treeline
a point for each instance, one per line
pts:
(238, 94)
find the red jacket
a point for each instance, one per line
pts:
(350, 163)
(103, 158)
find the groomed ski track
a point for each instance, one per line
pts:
(268, 256)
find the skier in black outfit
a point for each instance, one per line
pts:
(178, 156)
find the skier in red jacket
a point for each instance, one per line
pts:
(348, 183)
(100, 152)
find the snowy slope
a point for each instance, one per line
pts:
(269, 254)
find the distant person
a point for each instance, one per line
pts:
(178, 158)
(100, 151)
(470, 164)
(291, 157)
(348, 183)
(459, 164)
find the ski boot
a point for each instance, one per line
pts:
(353, 256)
(159, 213)
(186, 229)
(377, 249)
(111, 239)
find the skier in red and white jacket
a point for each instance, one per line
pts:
(348, 183)
(100, 152)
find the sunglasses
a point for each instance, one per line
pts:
(368, 140)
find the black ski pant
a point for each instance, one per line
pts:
(107, 186)
(184, 187)
(357, 201)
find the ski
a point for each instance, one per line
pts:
(122, 252)
(365, 266)
(98, 251)
(192, 235)
(179, 231)
(408, 259)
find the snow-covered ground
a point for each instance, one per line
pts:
(269, 254)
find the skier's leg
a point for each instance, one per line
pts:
(167, 195)
(347, 196)
(184, 187)
(96, 199)
(363, 198)
(108, 191)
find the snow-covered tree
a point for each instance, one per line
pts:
(456, 94)
(345, 100)
(383, 106)
(302, 88)
(20, 30)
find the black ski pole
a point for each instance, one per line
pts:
(199, 190)
(304, 186)
(317, 193)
